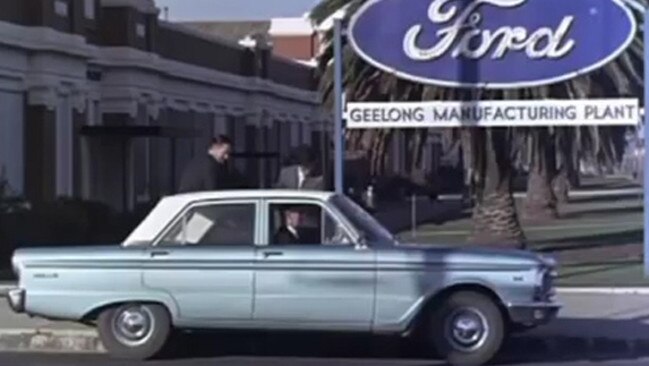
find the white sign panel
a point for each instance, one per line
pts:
(524, 113)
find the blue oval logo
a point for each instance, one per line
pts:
(494, 44)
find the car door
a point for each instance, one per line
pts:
(318, 282)
(205, 259)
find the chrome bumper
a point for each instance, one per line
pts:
(16, 299)
(532, 314)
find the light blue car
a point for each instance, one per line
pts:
(284, 260)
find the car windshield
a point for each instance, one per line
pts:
(362, 221)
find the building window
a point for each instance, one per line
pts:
(89, 9)
(140, 30)
(61, 8)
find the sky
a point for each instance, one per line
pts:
(183, 10)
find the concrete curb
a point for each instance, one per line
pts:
(603, 290)
(69, 341)
(573, 194)
(4, 289)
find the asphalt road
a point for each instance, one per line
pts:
(343, 350)
(85, 360)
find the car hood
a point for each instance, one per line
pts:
(475, 255)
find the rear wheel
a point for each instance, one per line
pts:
(468, 329)
(134, 331)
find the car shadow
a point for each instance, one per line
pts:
(563, 341)
(580, 340)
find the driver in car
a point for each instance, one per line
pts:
(288, 233)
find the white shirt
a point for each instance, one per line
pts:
(293, 231)
(301, 177)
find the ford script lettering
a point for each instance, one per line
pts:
(544, 42)
(491, 43)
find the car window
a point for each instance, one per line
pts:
(304, 224)
(361, 220)
(219, 224)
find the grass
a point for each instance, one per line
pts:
(598, 241)
(623, 274)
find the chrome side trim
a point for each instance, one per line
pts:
(535, 305)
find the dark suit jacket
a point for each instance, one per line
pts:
(289, 179)
(205, 174)
(285, 237)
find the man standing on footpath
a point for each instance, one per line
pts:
(303, 174)
(210, 172)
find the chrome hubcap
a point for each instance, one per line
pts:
(133, 326)
(467, 329)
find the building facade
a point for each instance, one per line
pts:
(299, 39)
(101, 100)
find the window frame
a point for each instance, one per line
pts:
(90, 10)
(182, 215)
(61, 9)
(264, 224)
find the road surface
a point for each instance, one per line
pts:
(81, 360)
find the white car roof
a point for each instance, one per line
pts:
(169, 207)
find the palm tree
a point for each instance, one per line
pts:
(490, 151)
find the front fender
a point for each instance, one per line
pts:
(401, 298)
(435, 295)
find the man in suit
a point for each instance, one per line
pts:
(209, 172)
(302, 175)
(288, 234)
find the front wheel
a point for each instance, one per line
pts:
(468, 329)
(134, 331)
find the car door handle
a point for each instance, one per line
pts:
(273, 254)
(159, 253)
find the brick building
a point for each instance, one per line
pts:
(102, 100)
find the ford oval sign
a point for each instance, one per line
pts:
(493, 44)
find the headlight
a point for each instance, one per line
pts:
(545, 290)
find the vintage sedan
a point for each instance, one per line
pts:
(284, 260)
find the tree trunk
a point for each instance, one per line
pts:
(495, 221)
(541, 203)
(573, 173)
(561, 186)
(568, 176)
(380, 153)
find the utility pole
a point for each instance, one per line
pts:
(339, 133)
(646, 138)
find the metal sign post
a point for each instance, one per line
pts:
(339, 133)
(646, 138)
